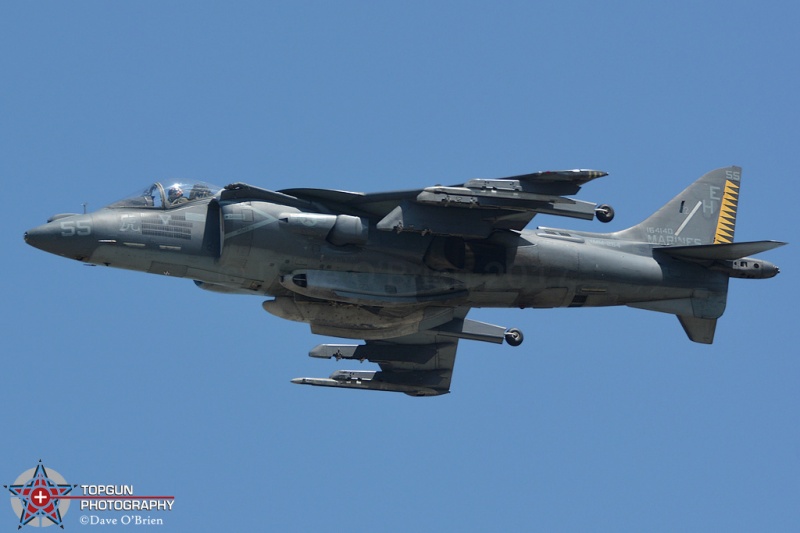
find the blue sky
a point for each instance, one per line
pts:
(603, 420)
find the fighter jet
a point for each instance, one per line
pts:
(401, 270)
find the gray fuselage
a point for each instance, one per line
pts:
(247, 247)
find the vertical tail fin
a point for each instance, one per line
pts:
(704, 213)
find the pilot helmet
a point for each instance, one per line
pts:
(174, 193)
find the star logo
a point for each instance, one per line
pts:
(37, 494)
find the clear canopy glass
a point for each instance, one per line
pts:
(170, 195)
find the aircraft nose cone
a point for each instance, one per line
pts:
(39, 237)
(68, 237)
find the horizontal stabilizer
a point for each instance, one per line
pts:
(720, 252)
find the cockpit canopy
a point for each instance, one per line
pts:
(169, 196)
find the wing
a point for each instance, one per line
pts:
(420, 364)
(474, 209)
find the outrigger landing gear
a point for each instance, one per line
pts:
(514, 337)
(604, 213)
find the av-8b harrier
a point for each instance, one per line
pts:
(402, 269)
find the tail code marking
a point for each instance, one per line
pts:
(727, 214)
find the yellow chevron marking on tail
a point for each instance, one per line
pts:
(727, 214)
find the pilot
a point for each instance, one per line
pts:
(175, 196)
